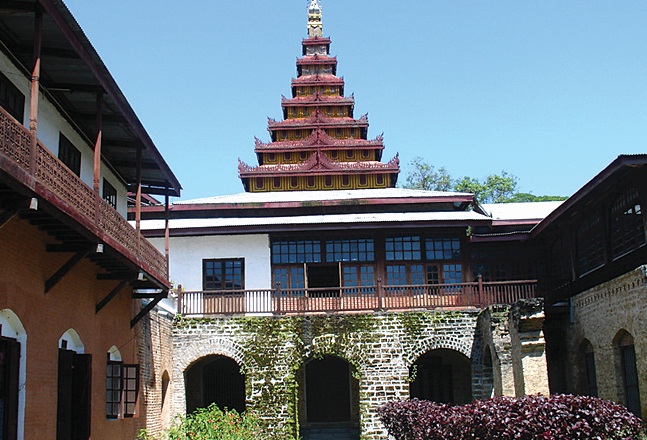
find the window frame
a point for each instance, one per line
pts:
(109, 193)
(69, 154)
(238, 263)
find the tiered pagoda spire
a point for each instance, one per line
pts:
(318, 145)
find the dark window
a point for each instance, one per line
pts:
(590, 244)
(591, 376)
(113, 389)
(358, 276)
(403, 248)
(223, 274)
(626, 223)
(9, 367)
(69, 155)
(74, 395)
(405, 275)
(353, 249)
(290, 277)
(629, 374)
(443, 248)
(109, 194)
(11, 99)
(287, 251)
(449, 273)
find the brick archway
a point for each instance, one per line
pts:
(189, 355)
(462, 346)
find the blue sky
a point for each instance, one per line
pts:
(548, 90)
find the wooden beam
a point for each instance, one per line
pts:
(148, 308)
(113, 293)
(5, 217)
(15, 7)
(58, 276)
(115, 276)
(67, 247)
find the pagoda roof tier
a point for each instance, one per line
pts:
(318, 120)
(317, 99)
(316, 60)
(319, 139)
(318, 79)
(318, 164)
(315, 41)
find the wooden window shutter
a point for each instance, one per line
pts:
(82, 396)
(10, 349)
(131, 389)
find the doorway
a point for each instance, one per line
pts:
(331, 395)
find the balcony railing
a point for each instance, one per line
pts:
(280, 301)
(55, 183)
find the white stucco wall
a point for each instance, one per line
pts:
(187, 253)
(51, 123)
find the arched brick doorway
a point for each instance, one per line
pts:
(215, 379)
(443, 376)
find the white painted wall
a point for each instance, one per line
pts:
(187, 253)
(51, 123)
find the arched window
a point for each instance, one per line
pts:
(588, 376)
(13, 342)
(627, 227)
(74, 387)
(628, 370)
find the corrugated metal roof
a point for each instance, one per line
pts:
(520, 211)
(390, 217)
(314, 196)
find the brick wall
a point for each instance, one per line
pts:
(599, 315)
(381, 348)
(71, 304)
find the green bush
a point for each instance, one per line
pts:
(212, 423)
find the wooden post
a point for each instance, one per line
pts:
(97, 143)
(480, 291)
(380, 294)
(277, 295)
(35, 88)
(138, 196)
(97, 158)
(166, 231)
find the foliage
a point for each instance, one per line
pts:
(425, 177)
(559, 417)
(212, 423)
(495, 188)
(527, 197)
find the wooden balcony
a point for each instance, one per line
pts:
(42, 175)
(355, 299)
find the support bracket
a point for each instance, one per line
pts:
(104, 302)
(58, 276)
(163, 294)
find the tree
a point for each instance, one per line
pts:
(495, 188)
(425, 176)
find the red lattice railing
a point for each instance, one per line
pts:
(355, 299)
(69, 193)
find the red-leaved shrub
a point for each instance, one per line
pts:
(558, 417)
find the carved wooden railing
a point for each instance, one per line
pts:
(54, 181)
(355, 299)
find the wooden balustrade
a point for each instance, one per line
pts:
(52, 180)
(355, 299)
